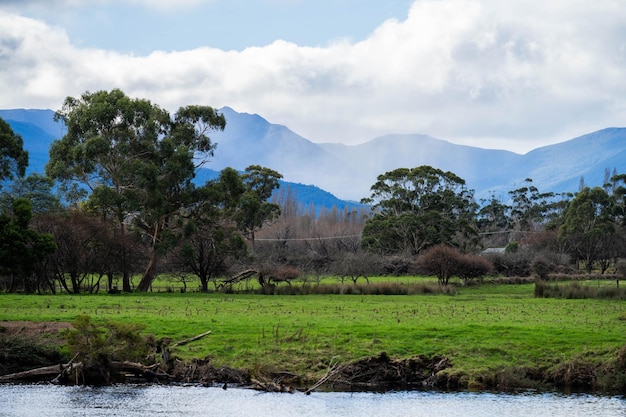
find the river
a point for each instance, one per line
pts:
(189, 401)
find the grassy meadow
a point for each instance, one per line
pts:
(482, 329)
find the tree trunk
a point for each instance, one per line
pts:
(125, 267)
(149, 274)
(126, 281)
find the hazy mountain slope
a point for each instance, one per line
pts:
(38, 129)
(43, 119)
(235, 149)
(349, 171)
(249, 139)
(480, 168)
(560, 166)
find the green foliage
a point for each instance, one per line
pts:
(531, 209)
(21, 248)
(588, 229)
(419, 208)
(13, 157)
(254, 208)
(482, 329)
(136, 160)
(35, 188)
(96, 346)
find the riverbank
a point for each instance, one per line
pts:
(489, 337)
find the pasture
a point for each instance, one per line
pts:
(482, 329)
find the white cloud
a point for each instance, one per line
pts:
(509, 74)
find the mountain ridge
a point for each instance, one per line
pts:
(347, 171)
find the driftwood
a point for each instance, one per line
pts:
(33, 374)
(138, 369)
(270, 386)
(72, 372)
(56, 372)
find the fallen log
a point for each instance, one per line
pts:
(191, 339)
(33, 374)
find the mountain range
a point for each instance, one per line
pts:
(327, 175)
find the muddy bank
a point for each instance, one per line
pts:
(30, 352)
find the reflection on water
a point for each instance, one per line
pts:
(129, 400)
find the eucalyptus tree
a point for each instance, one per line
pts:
(211, 240)
(253, 207)
(416, 208)
(531, 209)
(588, 228)
(135, 161)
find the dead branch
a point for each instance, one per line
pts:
(333, 369)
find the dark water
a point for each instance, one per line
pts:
(125, 400)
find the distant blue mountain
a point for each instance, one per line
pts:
(39, 130)
(342, 174)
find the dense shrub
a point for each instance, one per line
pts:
(473, 266)
(97, 346)
(541, 267)
(445, 262)
(512, 264)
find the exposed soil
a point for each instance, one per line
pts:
(25, 345)
(48, 330)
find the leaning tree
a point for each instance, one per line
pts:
(135, 162)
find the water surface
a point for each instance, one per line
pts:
(172, 401)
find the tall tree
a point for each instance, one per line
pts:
(418, 208)
(136, 161)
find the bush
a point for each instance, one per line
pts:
(512, 264)
(473, 266)
(97, 346)
(444, 262)
(541, 267)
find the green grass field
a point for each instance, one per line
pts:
(481, 329)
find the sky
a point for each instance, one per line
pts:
(515, 74)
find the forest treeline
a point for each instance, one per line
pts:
(118, 207)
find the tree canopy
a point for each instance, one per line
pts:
(417, 208)
(13, 157)
(588, 229)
